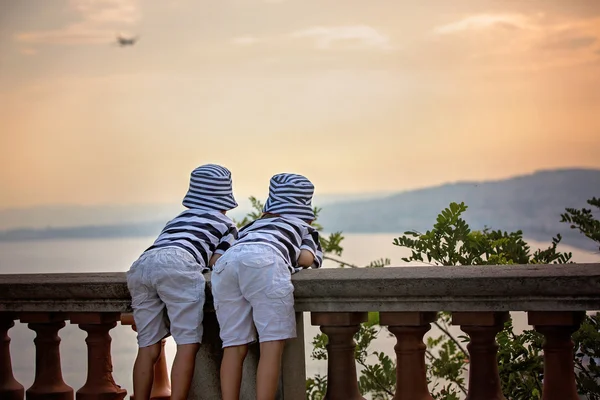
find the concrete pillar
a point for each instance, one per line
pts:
(482, 328)
(206, 382)
(293, 367)
(340, 328)
(409, 329)
(10, 389)
(557, 328)
(100, 384)
(48, 381)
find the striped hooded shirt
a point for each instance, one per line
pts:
(200, 232)
(203, 230)
(287, 235)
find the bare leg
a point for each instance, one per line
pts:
(183, 370)
(269, 366)
(231, 371)
(143, 370)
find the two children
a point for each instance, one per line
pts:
(251, 282)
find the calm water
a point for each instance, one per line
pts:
(113, 255)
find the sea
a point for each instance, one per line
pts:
(116, 255)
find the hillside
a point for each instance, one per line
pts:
(532, 203)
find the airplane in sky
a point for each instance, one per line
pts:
(126, 41)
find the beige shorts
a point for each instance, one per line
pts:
(167, 296)
(253, 293)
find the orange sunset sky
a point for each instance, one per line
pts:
(360, 96)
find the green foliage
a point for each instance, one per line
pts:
(520, 363)
(587, 339)
(452, 242)
(316, 387)
(584, 220)
(587, 346)
(254, 214)
(382, 262)
(379, 380)
(447, 358)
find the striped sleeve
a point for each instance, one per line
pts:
(227, 240)
(311, 243)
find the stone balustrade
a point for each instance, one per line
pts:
(408, 299)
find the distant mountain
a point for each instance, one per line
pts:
(532, 203)
(62, 215)
(51, 219)
(66, 216)
(141, 229)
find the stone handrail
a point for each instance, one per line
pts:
(474, 288)
(408, 299)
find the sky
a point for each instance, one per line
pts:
(359, 96)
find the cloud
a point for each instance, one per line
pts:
(569, 43)
(108, 11)
(98, 22)
(70, 35)
(535, 41)
(353, 35)
(245, 40)
(28, 51)
(484, 21)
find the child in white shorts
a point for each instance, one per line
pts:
(252, 288)
(166, 282)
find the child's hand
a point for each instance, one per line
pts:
(306, 258)
(214, 259)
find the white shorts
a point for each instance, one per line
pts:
(252, 283)
(167, 295)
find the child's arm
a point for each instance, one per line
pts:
(214, 259)
(306, 259)
(312, 246)
(226, 241)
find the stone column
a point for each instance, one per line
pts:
(340, 328)
(48, 381)
(206, 384)
(100, 384)
(293, 369)
(10, 389)
(482, 328)
(409, 329)
(161, 387)
(559, 371)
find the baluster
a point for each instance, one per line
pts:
(559, 374)
(10, 389)
(161, 387)
(100, 384)
(48, 382)
(340, 328)
(409, 329)
(482, 328)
